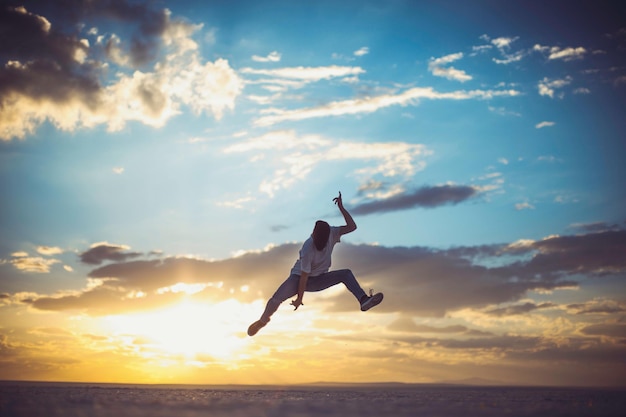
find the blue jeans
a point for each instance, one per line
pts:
(289, 288)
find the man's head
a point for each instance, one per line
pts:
(320, 234)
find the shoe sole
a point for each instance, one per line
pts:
(375, 301)
(255, 327)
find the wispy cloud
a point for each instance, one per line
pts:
(273, 56)
(279, 81)
(373, 104)
(548, 87)
(389, 159)
(510, 58)
(308, 74)
(49, 250)
(524, 206)
(566, 54)
(543, 124)
(362, 51)
(503, 111)
(438, 67)
(26, 263)
(503, 44)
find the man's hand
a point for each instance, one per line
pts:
(297, 303)
(338, 201)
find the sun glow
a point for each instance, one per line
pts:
(207, 332)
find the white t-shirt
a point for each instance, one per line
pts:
(314, 261)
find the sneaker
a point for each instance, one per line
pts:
(256, 326)
(372, 301)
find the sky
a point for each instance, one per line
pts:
(161, 163)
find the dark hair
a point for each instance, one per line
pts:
(320, 234)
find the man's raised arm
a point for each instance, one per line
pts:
(350, 224)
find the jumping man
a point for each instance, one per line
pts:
(310, 272)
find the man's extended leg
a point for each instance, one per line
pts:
(287, 289)
(328, 279)
(345, 276)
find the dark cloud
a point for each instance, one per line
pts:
(586, 350)
(105, 252)
(408, 325)
(25, 26)
(278, 228)
(497, 342)
(595, 254)
(606, 329)
(595, 227)
(39, 61)
(425, 197)
(48, 62)
(27, 36)
(416, 280)
(597, 307)
(518, 309)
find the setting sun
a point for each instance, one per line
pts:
(189, 328)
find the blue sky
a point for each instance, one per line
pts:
(153, 152)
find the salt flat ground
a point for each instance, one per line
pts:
(99, 400)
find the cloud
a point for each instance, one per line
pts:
(547, 87)
(518, 309)
(278, 81)
(436, 67)
(510, 58)
(49, 250)
(503, 42)
(65, 78)
(598, 306)
(279, 140)
(388, 159)
(362, 51)
(271, 57)
(567, 54)
(307, 74)
(502, 111)
(100, 252)
(595, 227)
(544, 124)
(418, 281)
(238, 203)
(425, 197)
(593, 254)
(524, 206)
(408, 325)
(372, 104)
(606, 329)
(26, 263)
